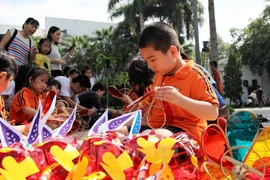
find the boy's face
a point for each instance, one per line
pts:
(76, 88)
(163, 64)
(4, 81)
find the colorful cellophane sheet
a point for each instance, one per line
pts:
(261, 147)
(214, 172)
(214, 144)
(242, 128)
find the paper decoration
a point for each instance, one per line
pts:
(116, 123)
(18, 171)
(49, 101)
(136, 125)
(115, 166)
(34, 127)
(67, 125)
(65, 157)
(47, 133)
(140, 99)
(98, 123)
(45, 118)
(115, 92)
(8, 134)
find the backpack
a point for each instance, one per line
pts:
(11, 39)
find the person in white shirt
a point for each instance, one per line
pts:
(54, 35)
(71, 88)
(253, 95)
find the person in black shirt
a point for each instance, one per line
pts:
(260, 96)
(91, 98)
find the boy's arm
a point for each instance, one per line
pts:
(72, 103)
(29, 111)
(201, 109)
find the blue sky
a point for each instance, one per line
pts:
(229, 13)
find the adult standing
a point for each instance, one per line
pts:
(260, 96)
(19, 44)
(54, 35)
(216, 75)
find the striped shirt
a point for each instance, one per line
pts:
(20, 48)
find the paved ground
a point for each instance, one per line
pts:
(264, 111)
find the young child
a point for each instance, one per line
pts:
(25, 103)
(89, 73)
(8, 70)
(41, 59)
(179, 85)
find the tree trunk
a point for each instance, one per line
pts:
(141, 16)
(213, 31)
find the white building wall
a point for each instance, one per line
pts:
(76, 27)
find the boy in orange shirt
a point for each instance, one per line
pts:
(182, 88)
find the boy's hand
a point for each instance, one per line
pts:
(168, 94)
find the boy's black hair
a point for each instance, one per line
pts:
(86, 69)
(41, 41)
(214, 63)
(140, 74)
(99, 86)
(83, 80)
(52, 30)
(21, 77)
(160, 36)
(54, 82)
(8, 64)
(31, 21)
(34, 73)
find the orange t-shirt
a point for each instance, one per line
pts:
(217, 77)
(24, 98)
(2, 108)
(192, 82)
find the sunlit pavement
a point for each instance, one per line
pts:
(264, 111)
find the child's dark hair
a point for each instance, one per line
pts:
(31, 21)
(160, 36)
(7, 64)
(99, 86)
(54, 82)
(86, 69)
(52, 30)
(214, 63)
(184, 56)
(140, 74)
(83, 80)
(34, 73)
(41, 41)
(73, 70)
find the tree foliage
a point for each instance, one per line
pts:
(253, 43)
(233, 74)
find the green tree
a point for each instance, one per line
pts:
(223, 48)
(232, 78)
(253, 43)
(36, 39)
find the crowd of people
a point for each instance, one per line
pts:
(185, 94)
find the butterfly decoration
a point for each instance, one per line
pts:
(158, 154)
(115, 166)
(12, 170)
